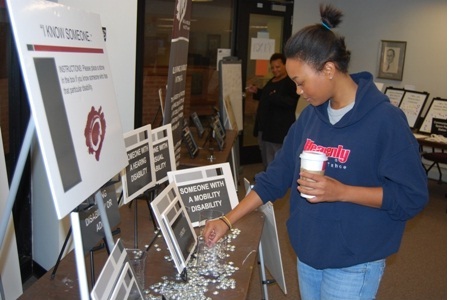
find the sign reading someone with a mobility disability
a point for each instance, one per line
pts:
(205, 188)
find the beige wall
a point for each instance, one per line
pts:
(422, 24)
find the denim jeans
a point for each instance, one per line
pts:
(352, 283)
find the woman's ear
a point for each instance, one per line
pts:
(329, 69)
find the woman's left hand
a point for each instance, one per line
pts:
(323, 188)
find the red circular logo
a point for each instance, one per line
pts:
(95, 131)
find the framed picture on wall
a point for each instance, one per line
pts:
(392, 58)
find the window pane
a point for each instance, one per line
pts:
(210, 29)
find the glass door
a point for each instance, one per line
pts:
(263, 28)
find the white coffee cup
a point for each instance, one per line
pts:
(313, 162)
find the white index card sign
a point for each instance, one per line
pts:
(139, 175)
(117, 279)
(205, 188)
(164, 152)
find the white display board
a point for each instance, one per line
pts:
(205, 188)
(175, 226)
(230, 84)
(269, 242)
(395, 95)
(68, 79)
(119, 22)
(10, 281)
(437, 110)
(139, 175)
(412, 105)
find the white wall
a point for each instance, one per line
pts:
(422, 24)
(120, 19)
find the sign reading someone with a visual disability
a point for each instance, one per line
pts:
(205, 188)
(68, 79)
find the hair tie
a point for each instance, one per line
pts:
(326, 26)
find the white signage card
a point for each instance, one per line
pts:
(117, 279)
(437, 110)
(139, 175)
(91, 224)
(68, 79)
(164, 152)
(175, 225)
(10, 281)
(230, 83)
(395, 95)
(262, 48)
(205, 188)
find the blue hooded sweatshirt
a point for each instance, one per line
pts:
(371, 146)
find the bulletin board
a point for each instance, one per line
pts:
(230, 82)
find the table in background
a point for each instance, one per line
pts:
(65, 284)
(202, 158)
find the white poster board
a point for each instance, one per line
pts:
(230, 83)
(139, 175)
(119, 22)
(10, 281)
(205, 188)
(68, 79)
(175, 225)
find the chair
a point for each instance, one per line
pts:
(436, 158)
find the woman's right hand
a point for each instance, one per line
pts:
(252, 89)
(213, 231)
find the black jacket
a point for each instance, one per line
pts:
(276, 110)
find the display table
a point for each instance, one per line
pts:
(210, 148)
(424, 142)
(65, 284)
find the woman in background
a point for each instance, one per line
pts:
(276, 109)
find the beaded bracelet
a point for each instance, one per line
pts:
(226, 221)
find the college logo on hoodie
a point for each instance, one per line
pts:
(339, 153)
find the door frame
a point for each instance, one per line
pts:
(251, 154)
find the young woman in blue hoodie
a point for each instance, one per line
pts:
(374, 181)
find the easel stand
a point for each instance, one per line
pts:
(81, 268)
(152, 193)
(263, 275)
(79, 252)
